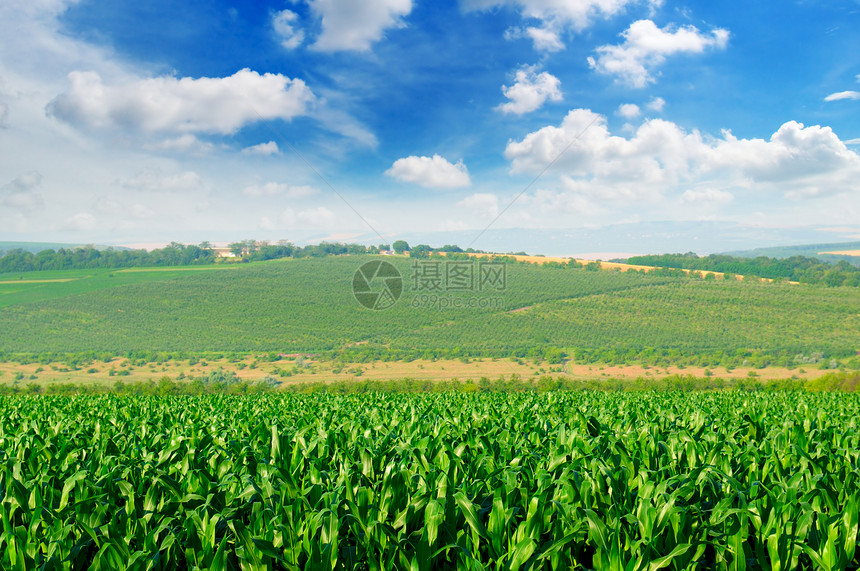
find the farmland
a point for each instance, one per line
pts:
(256, 416)
(306, 306)
(495, 481)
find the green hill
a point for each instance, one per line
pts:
(307, 305)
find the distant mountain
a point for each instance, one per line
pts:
(808, 250)
(37, 247)
(623, 240)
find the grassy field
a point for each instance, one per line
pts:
(30, 287)
(307, 306)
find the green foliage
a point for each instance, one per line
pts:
(440, 481)
(794, 268)
(175, 254)
(420, 251)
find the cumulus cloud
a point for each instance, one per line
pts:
(529, 91)
(661, 157)
(843, 95)
(185, 105)
(279, 188)
(350, 25)
(556, 16)
(545, 39)
(646, 47)
(656, 104)
(284, 24)
(264, 149)
(430, 172)
(629, 110)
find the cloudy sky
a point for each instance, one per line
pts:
(154, 121)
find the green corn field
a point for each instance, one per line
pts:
(621, 481)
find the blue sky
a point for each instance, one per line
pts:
(158, 121)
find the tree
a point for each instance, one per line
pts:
(400, 246)
(420, 251)
(237, 248)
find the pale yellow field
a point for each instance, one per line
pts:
(843, 253)
(180, 269)
(58, 280)
(603, 265)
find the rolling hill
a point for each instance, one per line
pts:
(307, 305)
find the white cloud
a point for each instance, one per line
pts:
(656, 104)
(351, 25)
(284, 24)
(279, 188)
(184, 105)
(430, 172)
(264, 149)
(629, 110)
(529, 91)
(646, 47)
(153, 180)
(545, 39)
(660, 157)
(708, 197)
(843, 95)
(186, 143)
(483, 204)
(4, 114)
(556, 16)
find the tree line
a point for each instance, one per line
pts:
(176, 254)
(795, 268)
(88, 257)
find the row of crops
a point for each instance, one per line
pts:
(308, 306)
(442, 481)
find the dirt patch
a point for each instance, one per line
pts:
(310, 370)
(519, 309)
